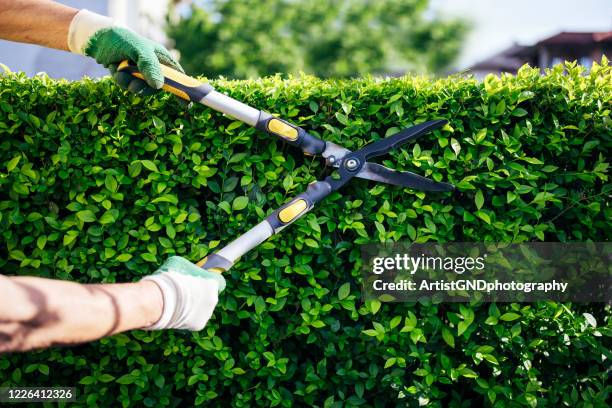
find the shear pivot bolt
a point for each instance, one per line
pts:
(352, 164)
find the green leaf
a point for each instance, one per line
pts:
(421, 372)
(410, 322)
(41, 242)
(519, 112)
(491, 395)
(375, 306)
(448, 337)
(395, 322)
(86, 216)
(510, 197)
(456, 146)
(260, 305)
(501, 107)
(532, 160)
(483, 216)
(479, 199)
(240, 203)
(390, 362)
(590, 319)
(311, 243)
(17, 254)
(125, 379)
(491, 359)
(70, 237)
(225, 206)
(134, 169)
(124, 257)
(313, 106)
(234, 125)
(159, 124)
(462, 327)
(491, 320)
(166, 198)
(87, 380)
(149, 257)
(105, 378)
(508, 317)
(468, 373)
(344, 291)
(149, 165)
(107, 218)
(370, 332)
(480, 136)
(110, 183)
(11, 164)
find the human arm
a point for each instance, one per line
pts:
(54, 25)
(41, 22)
(38, 312)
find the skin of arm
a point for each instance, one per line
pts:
(41, 22)
(38, 312)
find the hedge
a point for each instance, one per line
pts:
(98, 185)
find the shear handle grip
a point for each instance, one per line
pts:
(300, 205)
(181, 85)
(290, 133)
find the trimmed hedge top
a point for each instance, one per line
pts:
(101, 186)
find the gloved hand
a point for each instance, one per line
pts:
(190, 294)
(103, 39)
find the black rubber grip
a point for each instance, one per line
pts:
(315, 192)
(181, 85)
(217, 261)
(309, 144)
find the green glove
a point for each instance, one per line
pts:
(110, 46)
(103, 39)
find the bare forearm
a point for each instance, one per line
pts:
(37, 312)
(39, 22)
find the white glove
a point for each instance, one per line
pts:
(190, 294)
(83, 26)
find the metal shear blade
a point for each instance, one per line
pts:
(378, 172)
(338, 156)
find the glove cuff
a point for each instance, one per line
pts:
(83, 26)
(169, 296)
(189, 293)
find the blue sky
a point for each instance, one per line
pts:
(498, 24)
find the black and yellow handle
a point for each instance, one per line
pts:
(287, 214)
(190, 89)
(181, 85)
(290, 133)
(300, 205)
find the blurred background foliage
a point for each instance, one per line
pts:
(242, 39)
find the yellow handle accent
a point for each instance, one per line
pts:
(179, 77)
(169, 73)
(203, 261)
(176, 92)
(294, 209)
(123, 64)
(281, 128)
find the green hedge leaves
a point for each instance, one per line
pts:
(101, 186)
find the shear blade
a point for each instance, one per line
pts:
(389, 143)
(380, 173)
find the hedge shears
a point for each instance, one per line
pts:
(349, 164)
